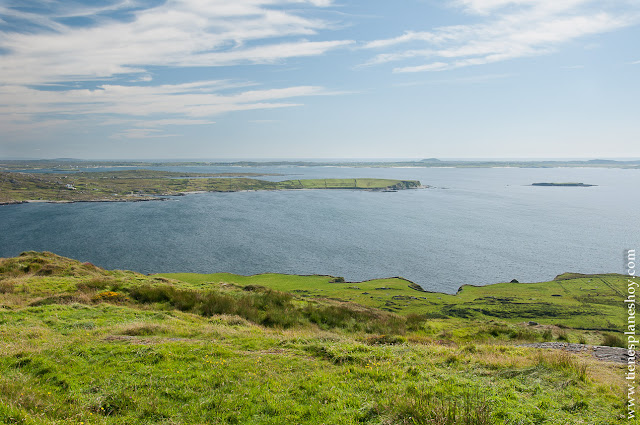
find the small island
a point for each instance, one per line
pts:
(147, 185)
(564, 184)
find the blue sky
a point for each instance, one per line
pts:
(126, 79)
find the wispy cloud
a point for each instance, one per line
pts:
(177, 33)
(507, 29)
(475, 79)
(119, 53)
(141, 133)
(191, 100)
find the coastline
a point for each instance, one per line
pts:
(376, 185)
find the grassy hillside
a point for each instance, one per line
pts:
(82, 345)
(137, 185)
(589, 302)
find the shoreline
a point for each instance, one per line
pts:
(164, 196)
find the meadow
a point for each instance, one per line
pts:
(83, 345)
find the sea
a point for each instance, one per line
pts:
(469, 226)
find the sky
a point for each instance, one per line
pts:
(216, 79)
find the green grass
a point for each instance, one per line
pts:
(347, 184)
(137, 185)
(577, 301)
(86, 345)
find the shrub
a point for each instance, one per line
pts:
(108, 296)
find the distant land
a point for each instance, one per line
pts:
(564, 184)
(147, 185)
(70, 164)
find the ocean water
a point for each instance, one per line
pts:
(473, 226)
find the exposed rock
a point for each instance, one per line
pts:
(600, 352)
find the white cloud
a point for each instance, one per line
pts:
(119, 55)
(194, 100)
(162, 123)
(177, 33)
(508, 29)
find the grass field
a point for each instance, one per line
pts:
(83, 345)
(137, 185)
(578, 301)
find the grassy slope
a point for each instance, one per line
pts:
(146, 184)
(586, 302)
(85, 345)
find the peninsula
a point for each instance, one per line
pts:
(145, 185)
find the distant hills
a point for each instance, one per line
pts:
(68, 164)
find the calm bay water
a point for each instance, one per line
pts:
(475, 226)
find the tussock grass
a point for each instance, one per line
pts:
(612, 340)
(563, 361)
(423, 407)
(144, 329)
(7, 287)
(271, 308)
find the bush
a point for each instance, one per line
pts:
(109, 296)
